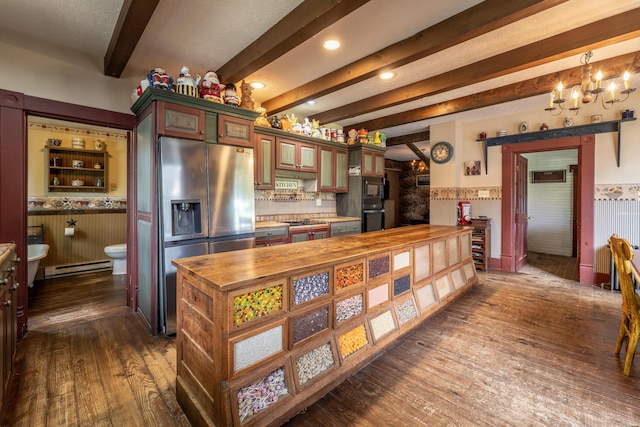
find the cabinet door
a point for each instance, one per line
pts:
(307, 157)
(378, 165)
(181, 122)
(368, 164)
(264, 162)
(286, 155)
(235, 131)
(298, 236)
(341, 171)
(320, 234)
(326, 172)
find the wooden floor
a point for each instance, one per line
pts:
(521, 349)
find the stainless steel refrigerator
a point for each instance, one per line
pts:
(206, 206)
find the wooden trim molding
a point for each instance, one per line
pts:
(586, 182)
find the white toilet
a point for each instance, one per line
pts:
(119, 255)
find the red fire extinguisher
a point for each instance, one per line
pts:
(464, 213)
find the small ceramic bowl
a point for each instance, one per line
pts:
(77, 183)
(54, 142)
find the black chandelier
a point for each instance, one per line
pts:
(588, 90)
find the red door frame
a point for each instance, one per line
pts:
(15, 107)
(586, 183)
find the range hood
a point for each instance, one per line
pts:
(307, 176)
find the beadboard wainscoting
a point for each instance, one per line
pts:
(84, 251)
(620, 216)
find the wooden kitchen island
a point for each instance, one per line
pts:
(263, 333)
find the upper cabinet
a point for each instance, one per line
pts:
(235, 131)
(369, 158)
(333, 170)
(264, 165)
(296, 155)
(372, 163)
(180, 121)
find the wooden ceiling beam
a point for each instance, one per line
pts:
(418, 152)
(612, 67)
(409, 138)
(132, 21)
(301, 24)
(607, 31)
(473, 22)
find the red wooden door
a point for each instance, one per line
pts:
(521, 217)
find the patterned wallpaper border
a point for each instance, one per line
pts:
(80, 132)
(619, 192)
(44, 204)
(469, 193)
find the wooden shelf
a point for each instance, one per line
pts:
(593, 128)
(66, 173)
(481, 243)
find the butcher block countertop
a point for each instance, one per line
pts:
(232, 270)
(327, 220)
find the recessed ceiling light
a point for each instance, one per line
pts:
(257, 85)
(387, 75)
(311, 102)
(331, 44)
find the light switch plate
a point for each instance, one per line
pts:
(483, 193)
(318, 202)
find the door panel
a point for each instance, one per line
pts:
(521, 211)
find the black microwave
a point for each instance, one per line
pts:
(373, 188)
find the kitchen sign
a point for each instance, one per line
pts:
(286, 185)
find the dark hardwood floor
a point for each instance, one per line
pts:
(519, 349)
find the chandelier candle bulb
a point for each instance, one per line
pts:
(560, 87)
(598, 79)
(574, 95)
(626, 80)
(552, 97)
(612, 91)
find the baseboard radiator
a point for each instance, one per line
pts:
(78, 268)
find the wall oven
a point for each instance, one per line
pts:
(372, 203)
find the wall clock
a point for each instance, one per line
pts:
(441, 152)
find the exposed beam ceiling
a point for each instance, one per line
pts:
(470, 23)
(611, 30)
(133, 19)
(301, 24)
(419, 153)
(524, 89)
(406, 139)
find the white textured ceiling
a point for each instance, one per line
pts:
(205, 34)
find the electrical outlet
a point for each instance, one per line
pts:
(113, 186)
(484, 193)
(318, 202)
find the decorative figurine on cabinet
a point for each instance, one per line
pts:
(187, 85)
(210, 87)
(353, 134)
(247, 100)
(262, 120)
(275, 122)
(315, 129)
(285, 123)
(230, 95)
(362, 136)
(159, 78)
